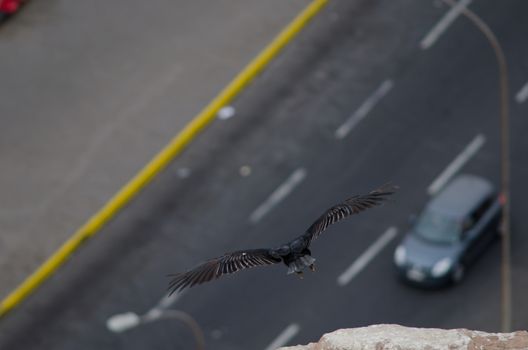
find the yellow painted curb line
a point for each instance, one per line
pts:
(161, 160)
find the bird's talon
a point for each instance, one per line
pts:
(312, 268)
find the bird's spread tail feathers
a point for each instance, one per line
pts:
(300, 264)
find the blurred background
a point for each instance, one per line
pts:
(369, 92)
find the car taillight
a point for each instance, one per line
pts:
(502, 199)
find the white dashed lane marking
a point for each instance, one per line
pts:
(522, 95)
(364, 259)
(457, 164)
(364, 109)
(443, 24)
(278, 195)
(283, 338)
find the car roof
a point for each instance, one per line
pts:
(461, 195)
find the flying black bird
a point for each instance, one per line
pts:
(295, 254)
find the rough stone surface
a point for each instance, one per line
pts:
(395, 337)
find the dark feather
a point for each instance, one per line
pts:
(352, 205)
(226, 264)
(235, 261)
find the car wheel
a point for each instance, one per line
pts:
(458, 273)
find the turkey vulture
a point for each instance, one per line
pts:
(295, 254)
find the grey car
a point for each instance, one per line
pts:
(452, 230)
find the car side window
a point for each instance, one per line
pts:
(467, 224)
(477, 214)
(481, 209)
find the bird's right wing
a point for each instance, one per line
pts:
(352, 205)
(225, 264)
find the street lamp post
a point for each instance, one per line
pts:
(506, 316)
(128, 320)
(156, 314)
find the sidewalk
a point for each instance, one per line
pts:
(90, 92)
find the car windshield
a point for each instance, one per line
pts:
(437, 227)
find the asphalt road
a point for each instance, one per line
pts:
(90, 92)
(440, 100)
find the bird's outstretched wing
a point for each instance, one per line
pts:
(226, 264)
(350, 206)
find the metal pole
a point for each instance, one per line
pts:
(189, 321)
(506, 316)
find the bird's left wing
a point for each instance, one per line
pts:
(225, 264)
(350, 206)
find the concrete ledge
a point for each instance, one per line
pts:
(395, 337)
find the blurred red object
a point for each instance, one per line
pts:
(502, 199)
(9, 6)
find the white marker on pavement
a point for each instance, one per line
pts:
(364, 109)
(360, 263)
(278, 195)
(457, 164)
(127, 320)
(122, 322)
(226, 112)
(443, 24)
